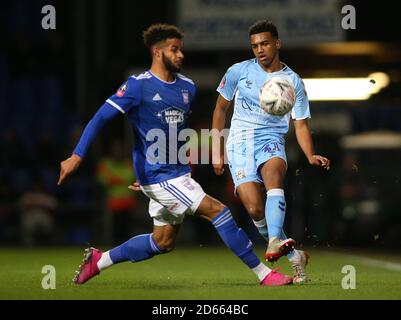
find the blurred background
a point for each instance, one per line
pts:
(52, 82)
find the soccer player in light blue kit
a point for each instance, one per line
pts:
(255, 145)
(160, 98)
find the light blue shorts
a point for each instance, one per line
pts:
(245, 159)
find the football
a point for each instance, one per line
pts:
(277, 96)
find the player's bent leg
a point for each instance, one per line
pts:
(237, 240)
(273, 173)
(136, 249)
(251, 196)
(209, 208)
(165, 237)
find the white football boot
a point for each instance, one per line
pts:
(299, 265)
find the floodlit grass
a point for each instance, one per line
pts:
(197, 273)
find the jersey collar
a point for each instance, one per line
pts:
(175, 78)
(284, 68)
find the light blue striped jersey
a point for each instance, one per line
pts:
(242, 83)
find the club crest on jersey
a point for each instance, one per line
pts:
(171, 116)
(185, 96)
(240, 174)
(121, 91)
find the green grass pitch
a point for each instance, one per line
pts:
(196, 273)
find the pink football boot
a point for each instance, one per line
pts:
(274, 279)
(88, 269)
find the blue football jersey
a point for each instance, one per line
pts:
(242, 83)
(151, 103)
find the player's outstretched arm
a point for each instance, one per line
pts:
(68, 166)
(218, 124)
(304, 139)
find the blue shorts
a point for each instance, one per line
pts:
(245, 159)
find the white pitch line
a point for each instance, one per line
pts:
(394, 266)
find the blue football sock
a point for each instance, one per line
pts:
(235, 238)
(275, 212)
(136, 249)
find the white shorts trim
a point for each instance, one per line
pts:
(171, 200)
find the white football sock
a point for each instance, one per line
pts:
(262, 228)
(105, 261)
(261, 271)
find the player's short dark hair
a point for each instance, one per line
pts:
(263, 26)
(160, 32)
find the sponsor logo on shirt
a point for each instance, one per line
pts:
(157, 97)
(171, 116)
(246, 104)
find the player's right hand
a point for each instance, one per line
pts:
(320, 161)
(218, 166)
(135, 186)
(68, 166)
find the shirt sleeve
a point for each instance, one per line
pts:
(102, 116)
(228, 85)
(301, 108)
(127, 96)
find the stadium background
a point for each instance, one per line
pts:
(52, 82)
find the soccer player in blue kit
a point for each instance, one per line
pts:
(160, 98)
(255, 145)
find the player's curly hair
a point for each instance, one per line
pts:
(263, 26)
(160, 32)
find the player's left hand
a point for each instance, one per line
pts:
(68, 166)
(320, 161)
(218, 165)
(135, 186)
